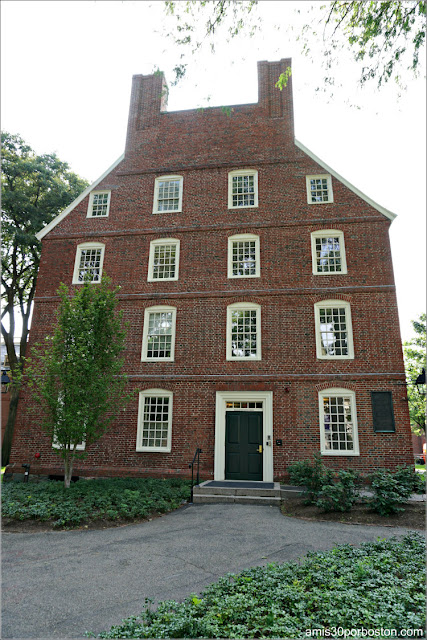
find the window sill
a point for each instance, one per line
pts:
(340, 453)
(152, 450)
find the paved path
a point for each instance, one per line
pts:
(60, 584)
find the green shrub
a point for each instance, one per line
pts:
(89, 500)
(341, 495)
(408, 477)
(389, 493)
(314, 475)
(379, 585)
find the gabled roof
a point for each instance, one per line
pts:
(41, 234)
(388, 214)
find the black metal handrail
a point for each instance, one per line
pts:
(191, 466)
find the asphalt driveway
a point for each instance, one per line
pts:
(60, 584)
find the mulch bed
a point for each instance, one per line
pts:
(414, 516)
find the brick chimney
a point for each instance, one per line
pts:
(148, 99)
(276, 103)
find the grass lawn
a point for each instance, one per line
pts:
(91, 501)
(420, 467)
(379, 585)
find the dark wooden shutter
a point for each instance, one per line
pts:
(382, 411)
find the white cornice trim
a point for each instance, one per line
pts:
(41, 234)
(388, 214)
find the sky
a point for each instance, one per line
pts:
(66, 73)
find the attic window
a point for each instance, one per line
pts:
(99, 204)
(319, 189)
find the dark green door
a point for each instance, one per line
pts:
(243, 439)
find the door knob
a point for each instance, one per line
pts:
(260, 448)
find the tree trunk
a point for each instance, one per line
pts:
(10, 426)
(15, 364)
(68, 468)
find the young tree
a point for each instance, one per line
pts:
(76, 376)
(387, 37)
(414, 353)
(34, 190)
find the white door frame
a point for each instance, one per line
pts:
(222, 397)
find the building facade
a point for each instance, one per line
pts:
(259, 289)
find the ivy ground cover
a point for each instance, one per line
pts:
(88, 501)
(378, 586)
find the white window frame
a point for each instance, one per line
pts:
(90, 205)
(243, 306)
(153, 393)
(157, 243)
(350, 347)
(156, 194)
(338, 392)
(244, 237)
(82, 247)
(242, 172)
(326, 233)
(147, 312)
(330, 192)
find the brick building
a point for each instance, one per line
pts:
(259, 288)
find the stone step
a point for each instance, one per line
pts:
(235, 499)
(237, 492)
(223, 491)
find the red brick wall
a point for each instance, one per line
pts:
(203, 146)
(296, 422)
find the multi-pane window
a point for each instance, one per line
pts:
(319, 189)
(159, 333)
(338, 424)
(159, 341)
(242, 189)
(164, 259)
(168, 194)
(243, 331)
(99, 204)
(67, 440)
(243, 405)
(154, 420)
(88, 263)
(333, 330)
(328, 252)
(80, 446)
(243, 256)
